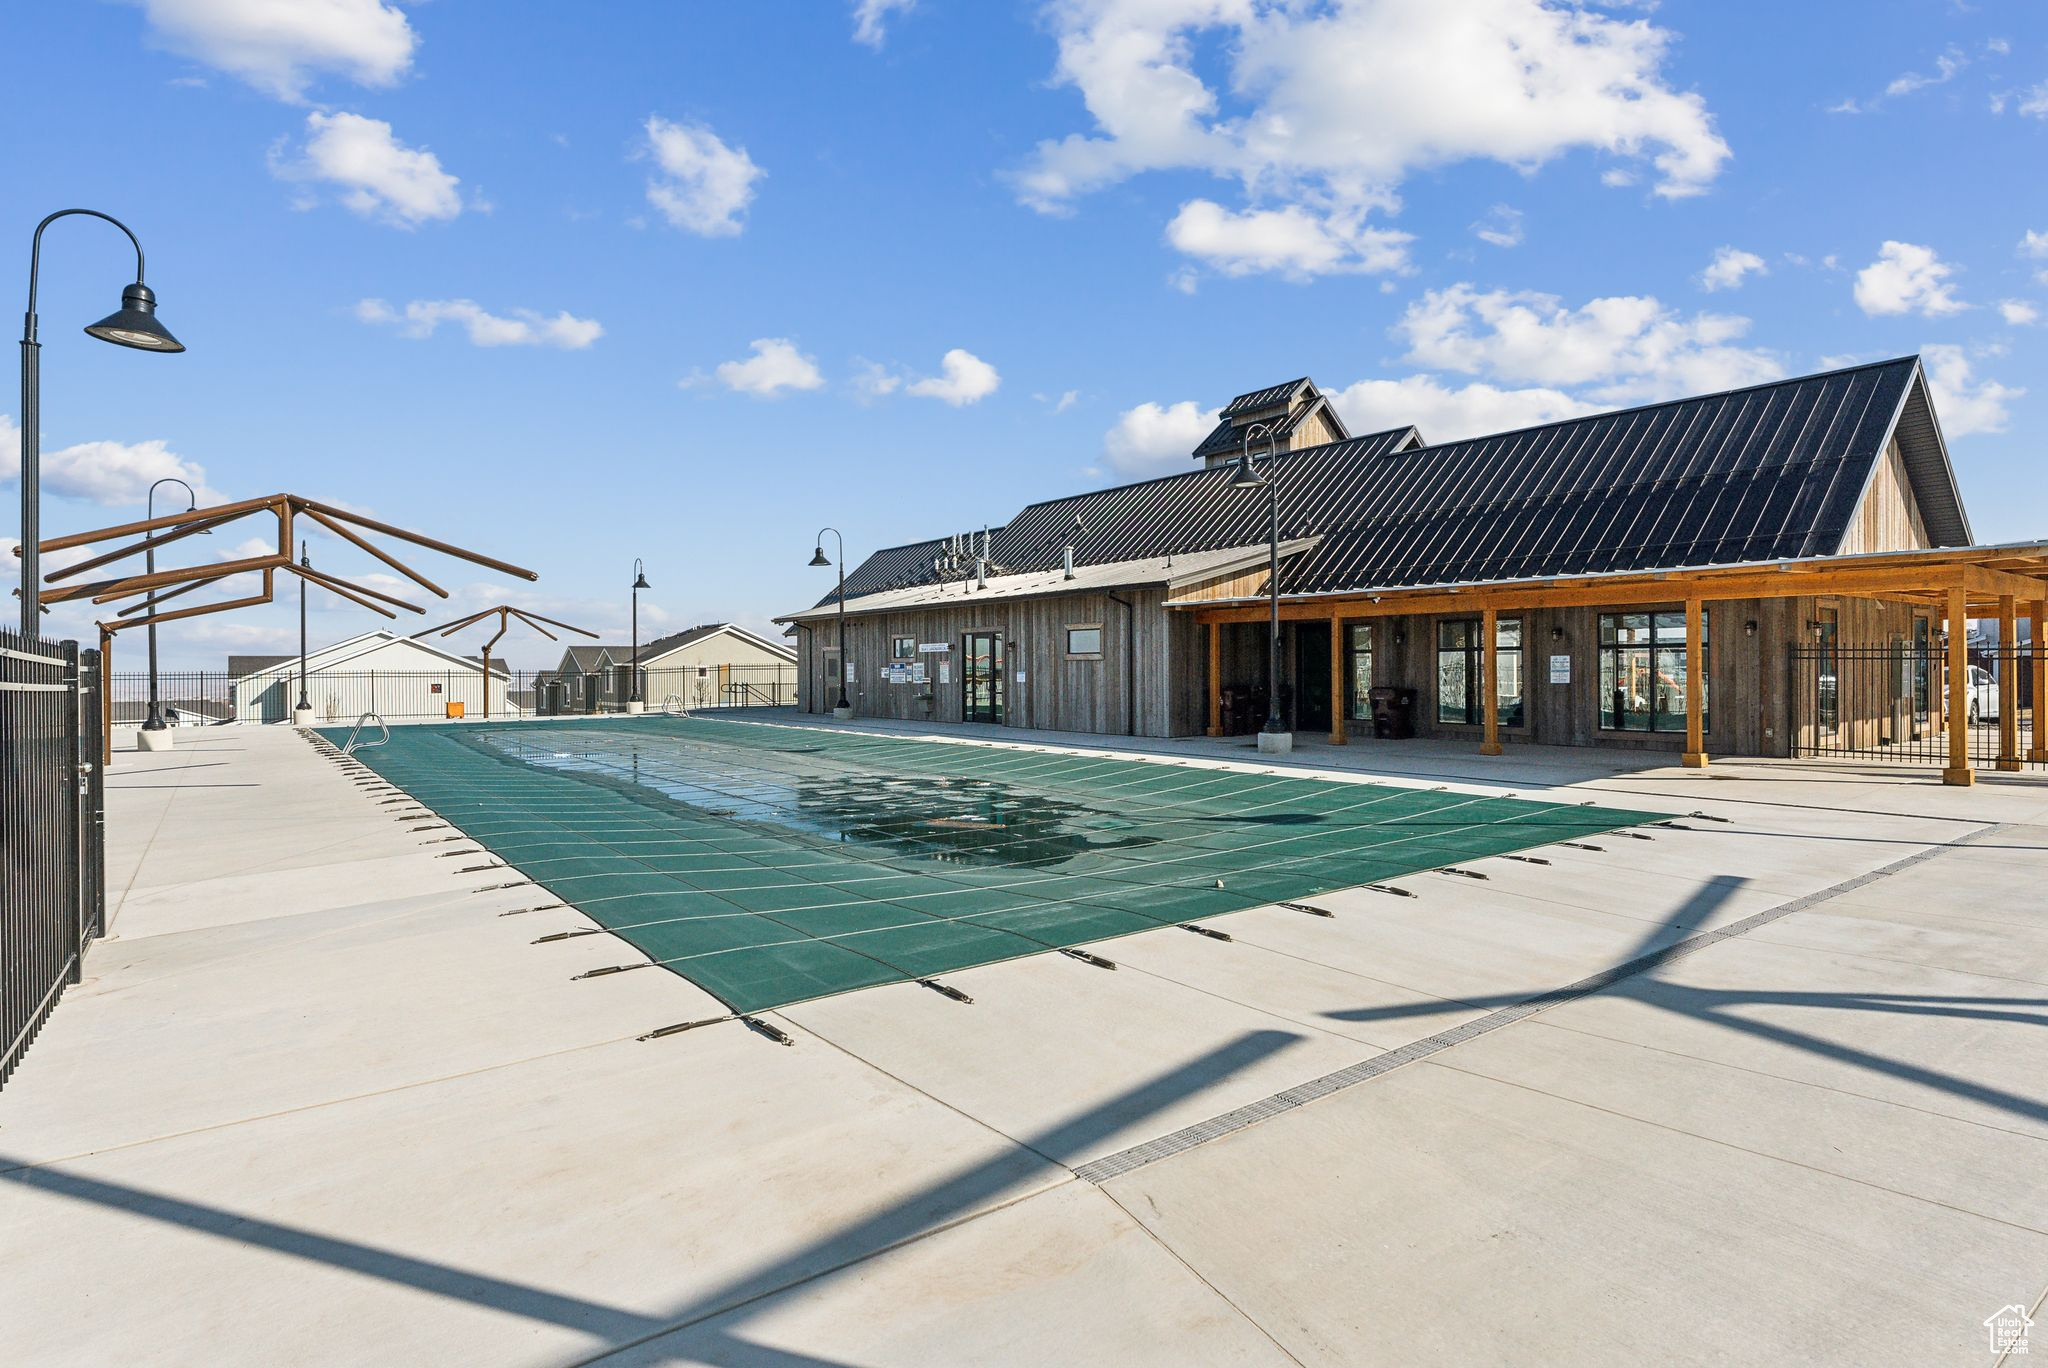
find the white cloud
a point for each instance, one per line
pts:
(963, 378)
(1729, 268)
(873, 380)
(1965, 403)
(1150, 439)
(1502, 227)
(1631, 348)
(1449, 414)
(1067, 400)
(1946, 67)
(775, 366)
(278, 46)
(1907, 278)
(1332, 106)
(2034, 245)
(704, 186)
(2031, 102)
(111, 474)
(1292, 241)
(524, 328)
(871, 18)
(2018, 312)
(378, 176)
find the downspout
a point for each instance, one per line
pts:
(1130, 663)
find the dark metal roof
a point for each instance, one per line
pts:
(1263, 398)
(1228, 436)
(1772, 472)
(899, 566)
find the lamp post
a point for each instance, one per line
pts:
(155, 735)
(302, 711)
(1274, 738)
(635, 703)
(132, 325)
(842, 709)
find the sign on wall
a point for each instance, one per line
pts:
(933, 648)
(1560, 669)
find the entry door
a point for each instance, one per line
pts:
(981, 677)
(1312, 667)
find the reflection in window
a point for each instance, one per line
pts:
(1361, 672)
(1643, 679)
(1461, 664)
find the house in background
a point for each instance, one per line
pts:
(378, 672)
(715, 664)
(1685, 576)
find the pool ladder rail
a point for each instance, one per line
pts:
(384, 737)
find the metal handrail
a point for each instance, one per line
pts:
(675, 705)
(384, 739)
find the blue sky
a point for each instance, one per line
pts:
(683, 281)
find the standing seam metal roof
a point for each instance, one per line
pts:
(1767, 473)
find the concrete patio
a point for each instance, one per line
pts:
(319, 1102)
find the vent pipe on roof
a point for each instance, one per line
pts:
(1067, 560)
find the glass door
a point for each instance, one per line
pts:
(981, 677)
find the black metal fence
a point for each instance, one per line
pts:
(204, 698)
(52, 830)
(1890, 703)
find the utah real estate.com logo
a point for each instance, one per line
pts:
(2008, 1327)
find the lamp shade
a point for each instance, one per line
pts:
(135, 324)
(640, 582)
(818, 559)
(1245, 477)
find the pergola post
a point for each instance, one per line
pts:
(1338, 692)
(2037, 616)
(1959, 771)
(2008, 683)
(1489, 677)
(1695, 756)
(1215, 679)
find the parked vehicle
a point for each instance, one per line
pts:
(1983, 695)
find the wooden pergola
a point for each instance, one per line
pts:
(290, 512)
(505, 613)
(1964, 582)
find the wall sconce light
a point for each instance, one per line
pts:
(1557, 634)
(1749, 627)
(1400, 637)
(1813, 625)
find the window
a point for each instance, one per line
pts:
(1084, 642)
(1361, 672)
(1643, 679)
(1923, 646)
(905, 648)
(831, 666)
(1461, 665)
(1828, 686)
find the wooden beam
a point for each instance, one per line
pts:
(2008, 683)
(1215, 679)
(1959, 771)
(1695, 756)
(1489, 677)
(1983, 580)
(219, 513)
(2037, 617)
(1338, 693)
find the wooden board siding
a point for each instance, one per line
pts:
(1057, 694)
(1889, 518)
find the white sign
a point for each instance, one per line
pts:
(945, 672)
(1020, 676)
(849, 672)
(1561, 669)
(933, 648)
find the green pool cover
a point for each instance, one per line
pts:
(770, 864)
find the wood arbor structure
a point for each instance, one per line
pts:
(1961, 582)
(290, 511)
(504, 612)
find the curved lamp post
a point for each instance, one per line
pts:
(842, 709)
(302, 711)
(634, 703)
(154, 723)
(1274, 738)
(132, 325)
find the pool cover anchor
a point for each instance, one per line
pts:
(1082, 955)
(1205, 931)
(1304, 907)
(1581, 845)
(1389, 888)
(570, 935)
(542, 907)
(1461, 873)
(1527, 859)
(598, 973)
(945, 990)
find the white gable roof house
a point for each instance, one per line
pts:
(381, 672)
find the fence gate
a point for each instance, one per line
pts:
(52, 829)
(1890, 703)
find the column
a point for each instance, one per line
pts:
(1340, 689)
(1695, 756)
(2008, 683)
(1215, 679)
(1489, 677)
(1958, 771)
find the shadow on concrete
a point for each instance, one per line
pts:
(945, 1201)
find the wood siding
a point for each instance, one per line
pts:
(1889, 517)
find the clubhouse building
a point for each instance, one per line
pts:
(1777, 570)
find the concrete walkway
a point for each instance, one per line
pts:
(318, 1102)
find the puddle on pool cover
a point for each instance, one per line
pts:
(956, 821)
